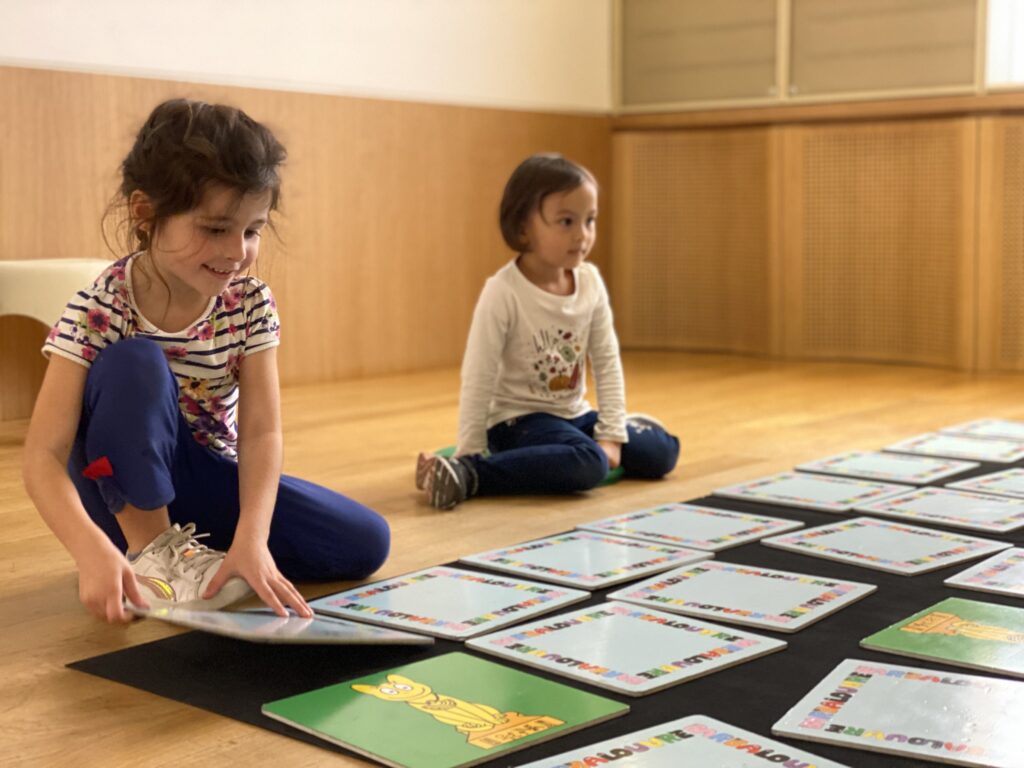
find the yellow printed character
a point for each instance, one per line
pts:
(466, 717)
(485, 727)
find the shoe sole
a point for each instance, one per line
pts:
(234, 591)
(424, 464)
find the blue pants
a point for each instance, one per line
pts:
(130, 415)
(541, 453)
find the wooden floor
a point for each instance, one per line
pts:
(737, 418)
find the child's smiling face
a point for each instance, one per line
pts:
(204, 249)
(562, 231)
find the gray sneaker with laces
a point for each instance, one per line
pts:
(174, 570)
(448, 482)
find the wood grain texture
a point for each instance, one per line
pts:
(880, 241)
(737, 418)
(827, 110)
(389, 208)
(695, 229)
(21, 364)
(852, 240)
(1001, 244)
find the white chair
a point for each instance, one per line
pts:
(38, 289)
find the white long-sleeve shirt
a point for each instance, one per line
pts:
(527, 353)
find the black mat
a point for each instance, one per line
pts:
(233, 677)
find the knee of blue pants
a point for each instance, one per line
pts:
(590, 469)
(134, 367)
(669, 456)
(651, 458)
(375, 546)
(317, 534)
(131, 418)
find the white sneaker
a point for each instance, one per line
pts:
(174, 570)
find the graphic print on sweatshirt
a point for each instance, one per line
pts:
(558, 362)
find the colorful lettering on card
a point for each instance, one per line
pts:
(954, 508)
(586, 559)
(827, 493)
(626, 648)
(1009, 482)
(999, 450)
(698, 741)
(885, 546)
(447, 602)
(691, 525)
(743, 594)
(1002, 574)
(1013, 430)
(891, 467)
(913, 712)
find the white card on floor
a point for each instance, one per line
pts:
(890, 467)
(690, 525)
(957, 509)
(697, 741)
(962, 447)
(939, 716)
(886, 546)
(1002, 574)
(265, 626)
(447, 602)
(826, 493)
(626, 648)
(1008, 482)
(998, 428)
(745, 594)
(585, 559)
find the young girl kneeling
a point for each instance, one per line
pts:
(524, 371)
(134, 443)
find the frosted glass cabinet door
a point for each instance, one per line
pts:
(848, 46)
(681, 50)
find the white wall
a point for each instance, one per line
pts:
(1005, 65)
(532, 54)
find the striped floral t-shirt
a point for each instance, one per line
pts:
(205, 357)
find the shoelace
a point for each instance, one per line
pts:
(202, 557)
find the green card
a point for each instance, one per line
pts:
(443, 712)
(965, 633)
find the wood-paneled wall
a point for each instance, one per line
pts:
(1001, 243)
(878, 241)
(695, 239)
(389, 210)
(813, 233)
(889, 239)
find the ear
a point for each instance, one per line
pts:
(400, 679)
(140, 209)
(524, 240)
(365, 689)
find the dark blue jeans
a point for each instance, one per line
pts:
(130, 415)
(540, 453)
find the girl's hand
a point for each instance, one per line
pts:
(253, 562)
(103, 580)
(613, 451)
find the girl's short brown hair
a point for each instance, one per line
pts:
(533, 180)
